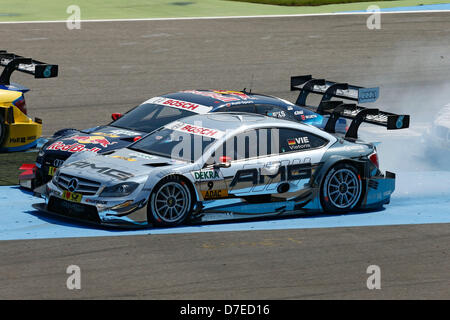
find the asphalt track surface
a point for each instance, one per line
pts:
(112, 66)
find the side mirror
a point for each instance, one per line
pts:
(224, 162)
(221, 165)
(116, 116)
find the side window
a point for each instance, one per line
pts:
(296, 140)
(250, 108)
(246, 145)
(274, 111)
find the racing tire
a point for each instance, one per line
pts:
(3, 129)
(171, 203)
(341, 189)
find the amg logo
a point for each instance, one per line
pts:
(118, 174)
(286, 173)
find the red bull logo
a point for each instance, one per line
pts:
(101, 140)
(75, 147)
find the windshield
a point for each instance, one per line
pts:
(148, 117)
(179, 141)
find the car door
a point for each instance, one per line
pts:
(272, 161)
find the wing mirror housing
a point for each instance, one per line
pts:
(116, 116)
(224, 162)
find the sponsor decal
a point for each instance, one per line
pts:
(193, 129)
(221, 95)
(214, 194)
(277, 114)
(180, 104)
(101, 140)
(51, 171)
(17, 140)
(298, 112)
(124, 158)
(238, 103)
(58, 163)
(75, 147)
(238, 94)
(118, 174)
(21, 139)
(106, 134)
(96, 201)
(142, 155)
(285, 173)
(299, 143)
(119, 132)
(206, 175)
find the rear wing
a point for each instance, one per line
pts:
(13, 62)
(329, 89)
(358, 114)
(339, 109)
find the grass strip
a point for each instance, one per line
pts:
(42, 10)
(304, 2)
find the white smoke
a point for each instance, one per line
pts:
(417, 82)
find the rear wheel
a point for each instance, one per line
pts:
(170, 203)
(341, 189)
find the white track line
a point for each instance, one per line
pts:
(232, 17)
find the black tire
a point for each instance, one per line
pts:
(341, 189)
(170, 203)
(3, 130)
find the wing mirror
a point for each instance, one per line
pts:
(224, 162)
(116, 116)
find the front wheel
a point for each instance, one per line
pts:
(341, 189)
(170, 203)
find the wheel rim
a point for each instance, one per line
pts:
(171, 202)
(343, 188)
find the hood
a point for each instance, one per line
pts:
(117, 166)
(99, 140)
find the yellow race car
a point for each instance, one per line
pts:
(19, 132)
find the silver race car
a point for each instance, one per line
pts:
(224, 166)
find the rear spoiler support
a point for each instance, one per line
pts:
(13, 62)
(335, 108)
(352, 131)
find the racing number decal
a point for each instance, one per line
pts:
(211, 184)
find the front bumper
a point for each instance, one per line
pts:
(122, 212)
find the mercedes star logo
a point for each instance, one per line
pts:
(73, 184)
